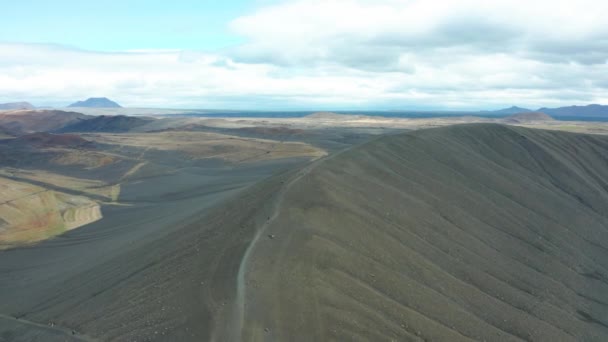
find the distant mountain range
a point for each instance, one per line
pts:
(588, 111)
(16, 105)
(592, 110)
(96, 102)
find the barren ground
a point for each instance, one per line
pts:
(460, 233)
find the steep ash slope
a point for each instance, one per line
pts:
(471, 232)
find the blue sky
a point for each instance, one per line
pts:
(114, 25)
(306, 54)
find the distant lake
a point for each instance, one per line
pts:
(391, 114)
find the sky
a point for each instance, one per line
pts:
(306, 54)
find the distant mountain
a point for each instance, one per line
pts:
(528, 117)
(508, 111)
(96, 102)
(593, 110)
(105, 123)
(16, 105)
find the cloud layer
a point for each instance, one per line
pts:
(347, 54)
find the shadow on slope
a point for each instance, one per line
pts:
(103, 123)
(30, 121)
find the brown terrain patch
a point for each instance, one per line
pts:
(86, 187)
(87, 159)
(204, 145)
(30, 213)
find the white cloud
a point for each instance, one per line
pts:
(347, 53)
(318, 30)
(161, 78)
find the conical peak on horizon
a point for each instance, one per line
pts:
(96, 102)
